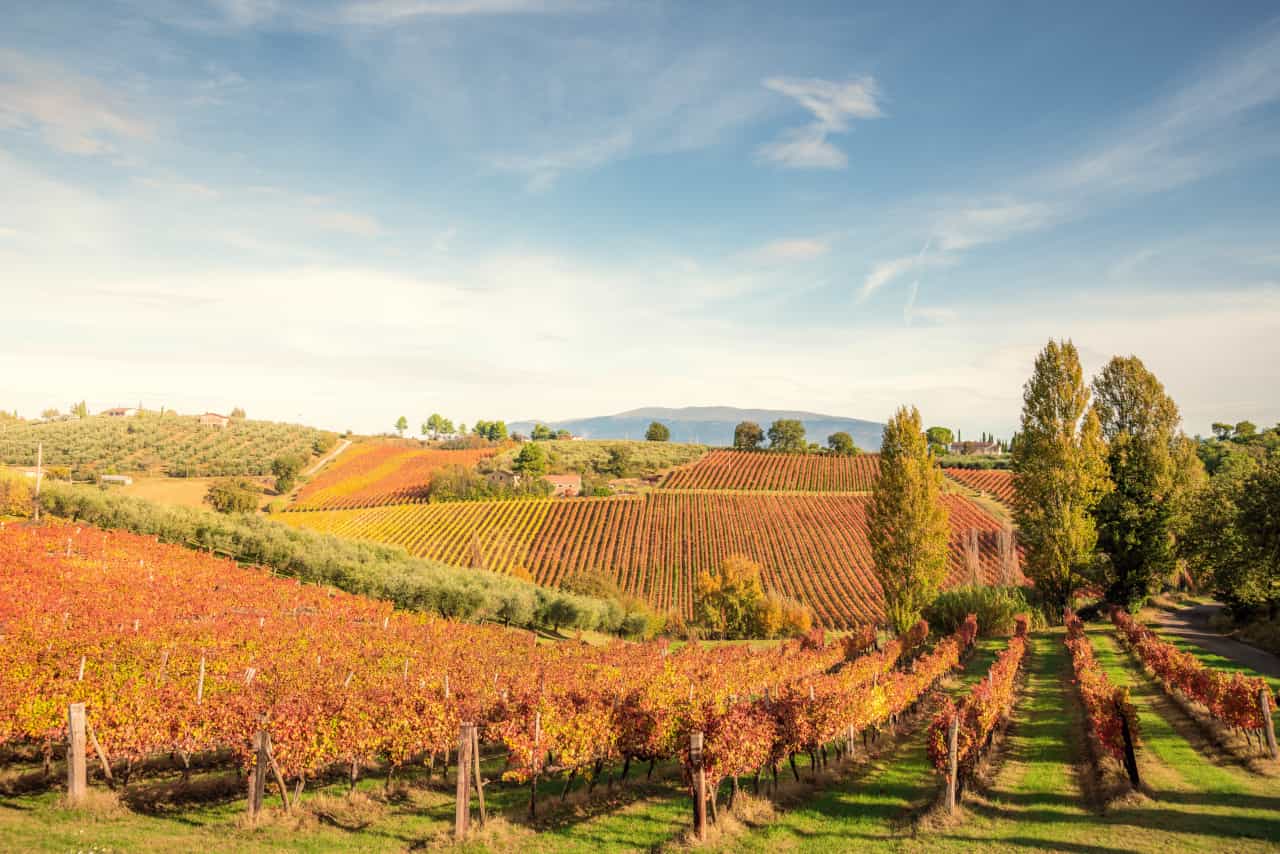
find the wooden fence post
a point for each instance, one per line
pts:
(1130, 758)
(77, 781)
(953, 735)
(475, 769)
(262, 764)
(462, 807)
(1264, 700)
(699, 786)
(971, 556)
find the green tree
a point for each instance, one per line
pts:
(563, 434)
(51, 412)
(1244, 431)
(841, 444)
(402, 424)
(237, 413)
(232, 496)
(531, 461)
(434, 425)
(1135, 518)
(542, 433)
(657, 432)
(286, 470)
(787, 435)
(939, 438)
(1060, 473)
(80, 410)
(908, 524)
(617, 463)
(747, 436)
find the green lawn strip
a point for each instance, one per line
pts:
(1219, 662)
(874, 810)
(1205, 804)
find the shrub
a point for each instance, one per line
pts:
(995, 607)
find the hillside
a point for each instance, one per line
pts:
(709, 425)
(811, 547)
(171, 444)
(380, 472)
(767, 471)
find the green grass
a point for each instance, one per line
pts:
(644, 458)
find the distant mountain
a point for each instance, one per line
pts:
(709, 425)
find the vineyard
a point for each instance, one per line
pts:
(176, 652)
(192, 669)
(774, 472)
(812, 548)
(998, 483)
(379, 473)
(159, 444)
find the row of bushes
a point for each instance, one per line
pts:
(382, 571)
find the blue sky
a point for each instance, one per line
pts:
(344, 211)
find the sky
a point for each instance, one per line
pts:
(340, 212)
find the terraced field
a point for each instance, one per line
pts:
(998, 483)
(377, 473)
(767, 471)
(812, 547)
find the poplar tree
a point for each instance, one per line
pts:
(1136, 519)
(909, 529)
(1060, 473)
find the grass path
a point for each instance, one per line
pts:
(872, 810)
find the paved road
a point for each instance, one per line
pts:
(1192, 623)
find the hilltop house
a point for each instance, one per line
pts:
(120, 412)
(565, 485)
(213, 419)
(974, 449)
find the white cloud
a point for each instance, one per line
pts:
(72, 113)
(791, 249)
(176, 186)
(380, 12)
(348, 222)
(833, 106)
(989, 223)
(542, 170)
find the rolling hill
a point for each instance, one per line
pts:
(709, 425)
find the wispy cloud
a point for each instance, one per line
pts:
(833, 105)
(1201, 128)
(380, 12)
(791, 249)
(542, 170)
(177, 186)
(72, 113)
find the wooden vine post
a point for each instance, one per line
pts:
(1264, 701)
(262, 764)
(953, 737)
(77, 776)
(462, 808)
(478, 779)
(1130, 758)
(699, 786)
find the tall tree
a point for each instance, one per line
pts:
(1135, 519)
(909, 529)
(402, 424)
(787, 435)
(939, 439)
(657, 432)
(747, 436)
(1060, 473)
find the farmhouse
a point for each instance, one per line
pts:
(565, 485)
(213, 419)
(974, 449)
(120, 412)
(503, 479)
(117, 479)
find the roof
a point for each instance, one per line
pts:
(215, 415)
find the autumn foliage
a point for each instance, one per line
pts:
(1104, 703)
(1230, 697)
